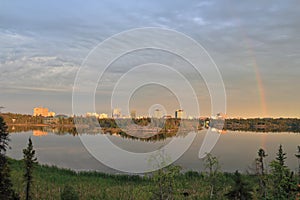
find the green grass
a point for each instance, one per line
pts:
(49, 181)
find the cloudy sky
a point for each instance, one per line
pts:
(255, 44)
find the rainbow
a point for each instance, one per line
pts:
(260, 87)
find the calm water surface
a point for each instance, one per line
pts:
(235, 150)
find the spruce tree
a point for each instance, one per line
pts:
(282, 178)
(261, 173)
(241, 190)
(6, 191)
(29, 161)
(298, 182)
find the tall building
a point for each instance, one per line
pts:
(133, 114)
(44, 112)
(157, 113)
(179, 114)
(116, 113)
(40, 111)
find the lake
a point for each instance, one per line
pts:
(235, 150)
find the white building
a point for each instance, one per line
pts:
(116, 113)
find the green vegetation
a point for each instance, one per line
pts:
(263, 125)
(6, 190)
(29, 161)
(168, 183)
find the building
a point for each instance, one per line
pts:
(40, 111)
(116, 113)
(103, 116)
(89, 114)
(133, 114)
(167, 117)
(157, 113)
(51, 114)
(179, 114)
(44, 112)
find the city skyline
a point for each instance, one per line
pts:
(255, 46)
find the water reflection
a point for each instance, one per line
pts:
(235, 150)
(39, 133)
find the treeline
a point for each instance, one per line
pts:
(168, 127)
(263, 124)
(29, 120)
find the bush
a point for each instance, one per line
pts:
(69, 193)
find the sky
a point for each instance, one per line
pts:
(254, 44)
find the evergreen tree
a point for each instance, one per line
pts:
(261, 173)
(29, 161)
(240, 190)
(282, 177)
(6, 191)
(298, 157)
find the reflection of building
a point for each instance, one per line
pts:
(44, 112)
(179, 114)
(116, 113)
(39, 133)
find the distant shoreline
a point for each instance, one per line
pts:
(43, 125)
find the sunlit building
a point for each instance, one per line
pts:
(40, 111)
(44, 112)
(179, 114)
(103, 116)
(51, 114)
(116, 113)
(89, 114)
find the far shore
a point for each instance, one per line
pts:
(43, 125)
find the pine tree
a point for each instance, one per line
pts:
(298, 157)
(261, 173)
(240, 190)
(282, 177)
(6, 191)
(29, 161)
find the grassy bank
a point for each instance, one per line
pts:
(49, 182)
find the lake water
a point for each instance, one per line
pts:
(235, 150)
